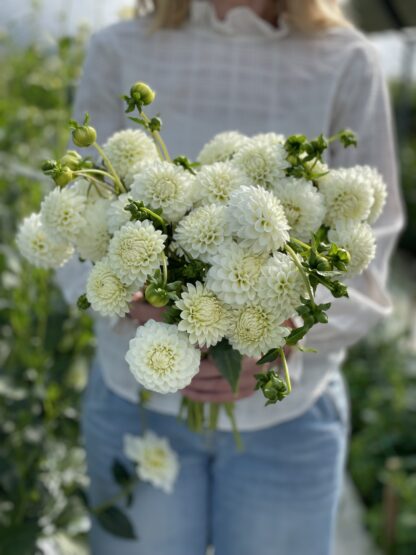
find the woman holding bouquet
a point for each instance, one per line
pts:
(256, 66)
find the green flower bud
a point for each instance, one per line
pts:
(83, 303)
(72, 159)
(84, 136)
(49, 165)
(142, 93)
(156, 296)
(322, 264)
(63, 177)
(274, 388)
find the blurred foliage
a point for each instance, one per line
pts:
(381, 15)
(44, 347)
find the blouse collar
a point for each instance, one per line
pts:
(240, 21)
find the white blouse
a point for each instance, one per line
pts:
(242, 73)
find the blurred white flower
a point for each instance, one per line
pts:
(215, 182)
(156, 462)
(39, 247)
(126, 148)
(257, 218)
(135, 251)
(222, 147)
(376, 182)
(269, 139)
(62, 213)
(161, 357)
(92, 242)
(116, 215)
(358, 239)
(203, 316)
(90, 191)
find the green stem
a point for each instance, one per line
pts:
(301, 243)
(214, 410)
(155, 216)
(165, 269)
(229, 409)
(286, 369)
(117, 497)
(299, 266)
(96, 182)
(160, 143)
(98, 172)
(117, 182)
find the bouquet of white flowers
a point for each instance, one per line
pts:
(233, 245)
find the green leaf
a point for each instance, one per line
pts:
(270, 356)
(115, 521)
(228, 361)
(19, 539)
(120, 473)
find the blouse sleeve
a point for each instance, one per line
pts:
(362, 104)
(98, 94)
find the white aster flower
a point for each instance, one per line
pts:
(376, 182)
(62, 213)
(358, 239)
(202, 231)
(222, 147)
(116, 215)
(215, 182)
(280, 285)
(204, 317)
(126, 148)
(156, 462)
(256, 330)
(92, 242)
(303, 205)
(161, 358)
(40, 247)
(135, 251)
(166, 186)
(234, 273)
(257, 218)
(348, 196)
(261, 162)
(105, 291)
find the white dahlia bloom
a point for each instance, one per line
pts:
(126, 148)
(358, 239)
(256, 329)
(234, 273)
(257, 218)
(92, 242)
(303, 205)
(107, 294)
(166, 186)
(222, 147)
(156, 462)
(40, 247)
(348, 196)
(90, 191)
(161, 358)
(202, 232)
(269, 139)
(261, 162)
(204, 317)
(280, 285)
(116, 215)
(62, 213)
(376, 182)
(215, 182)
(135, 251)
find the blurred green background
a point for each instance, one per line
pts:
(45, 347)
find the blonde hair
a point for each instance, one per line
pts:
(305, 15)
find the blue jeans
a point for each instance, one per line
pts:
(278, 497)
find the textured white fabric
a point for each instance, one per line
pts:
(243, 74)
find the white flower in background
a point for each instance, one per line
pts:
(262, 163)
(376, 182)
(166, 186)
(126, 148)
(202, 231)
(39, 246)
(161, 358)
(348, 196)
(135, 251)
(256, 329)
(358, 239)
(269, 139)
(280, 285)
(234, 273)
(62, 213)
(303, 205)
(222, 147)
(215, 183)
(204, 317)
(116, 215)
(92, 242)
(105, 291)
(90, 191)
(257, 218)
(156, 462)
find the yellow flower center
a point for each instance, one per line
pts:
(161, 359)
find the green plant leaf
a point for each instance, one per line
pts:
(228, 361)
(120, 473)
(270, 356)
(19, 539)
(115, 521)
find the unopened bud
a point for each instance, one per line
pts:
(71, 159)
(84, 136)
(63, 177)
(49, 165)
(142, 93)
